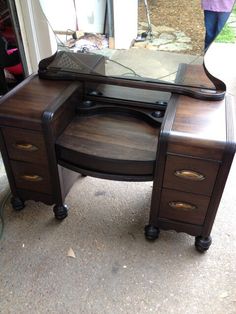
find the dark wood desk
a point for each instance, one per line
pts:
(53, 131)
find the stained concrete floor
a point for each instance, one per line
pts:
(114, 270)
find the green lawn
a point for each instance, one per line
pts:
(228, 34)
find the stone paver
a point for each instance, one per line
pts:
(164, 39)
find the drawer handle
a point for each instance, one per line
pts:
(189, 175)
(25, 146)
(32, 178)
(182, 205)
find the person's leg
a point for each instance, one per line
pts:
(3, 83)
(5, 59)
(221, 20)
(210, 20)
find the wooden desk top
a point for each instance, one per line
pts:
(26, 103)
(201, 126)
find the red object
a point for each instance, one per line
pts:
(15, 69)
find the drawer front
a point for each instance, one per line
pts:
(31, 177)
(184, 207)
(190, 175)
(25, 145)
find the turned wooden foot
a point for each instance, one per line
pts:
(60, 211)
(151, 232)
(202, 244)
(17, 203)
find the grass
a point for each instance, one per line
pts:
(228, 34)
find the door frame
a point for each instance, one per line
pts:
(33, 32)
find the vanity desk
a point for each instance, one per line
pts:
(52, 131)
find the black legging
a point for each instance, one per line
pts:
(5, 59)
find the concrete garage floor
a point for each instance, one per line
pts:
(114, 269)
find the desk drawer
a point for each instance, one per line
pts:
(31, 177)
(190, 174)
(25, 145)
(185, 207)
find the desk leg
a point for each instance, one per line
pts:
(60, 211)
(151, 232)
(17, 203)
(202, 244)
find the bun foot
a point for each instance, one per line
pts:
(17, 203)
(202, 244)
(60, 212)
(151, 232)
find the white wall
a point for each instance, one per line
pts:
(62, 14)
(125, 22)
(91, 15)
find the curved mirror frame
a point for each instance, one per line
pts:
(79, 53)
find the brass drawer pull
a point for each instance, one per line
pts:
(25, 146)
(182, 205)
(189, 175)
(32, 178)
